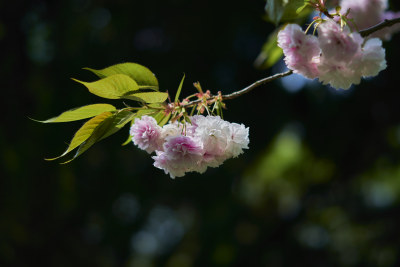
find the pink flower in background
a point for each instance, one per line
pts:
(339, 74)
(367, 13)
(337, 44)
(146, 134)
(386, 33)
(373, 59)
(301, 50)
(340, 55)
(343, 58)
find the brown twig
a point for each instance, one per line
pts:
(380, 26)
(363, 33)
(256, 84)
(246, 89)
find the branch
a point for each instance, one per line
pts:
(256, 84)
(244, 90)
(380, 26)
(363, 33)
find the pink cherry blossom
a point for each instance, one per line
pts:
(213, 133)
(301, 50)
(181, 154)
(183, 148)
(338, 44)
(146, 134)
(343, 58)
(238, 140)
(171, 129)
(367, 13)
(191, 146)
(339, 74)
(373, 59)
(162, 162)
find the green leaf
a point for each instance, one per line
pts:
(296, 9)
(85, 132)
(301, 8)
(81, 113)
(179, 89)
(286, 10)
(147, 97)
(146, 111)
(112, 87)
(164, 120)
(161, 118)
(127, 141)
(121, 86)
(95, 136)
(275, 9)
(107, 127)
(120, 119)
(270, 52)
(142, 75)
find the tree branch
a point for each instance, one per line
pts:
(380, 26)
(256, 84)
(363, 33)
(246, 89)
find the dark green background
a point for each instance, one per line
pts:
(319, 185)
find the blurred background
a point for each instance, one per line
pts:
(319, 186)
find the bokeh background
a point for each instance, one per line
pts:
(319, 186)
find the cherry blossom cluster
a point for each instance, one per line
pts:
(191, 146)
(337, 56)
(367, 13)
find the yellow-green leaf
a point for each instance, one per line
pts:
(296, 9)
(164, 120)
(179, 89)
(81, 113)
(275, 9)
(301, 8)
(146, 111)
(286, 10)
(142, 75)
(147, 97)
(85, 132)
(106, 128)
(112, 87)
(270, 52)
(127, 141)
(159, 116)
(120, 119)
